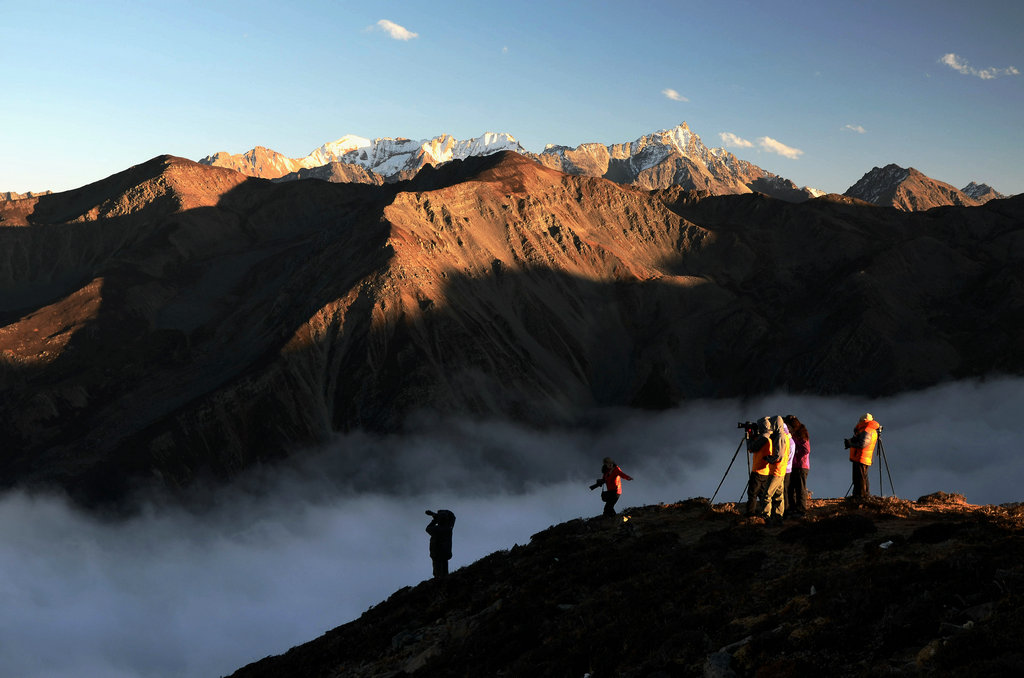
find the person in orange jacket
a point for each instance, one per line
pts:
(862, 450)
(760, 449)
(611, 476)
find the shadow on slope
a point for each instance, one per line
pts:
(681, 590)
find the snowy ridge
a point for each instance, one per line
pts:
(656, 160)
(333, 151)
(387, 156)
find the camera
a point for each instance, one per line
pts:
(773, 459)
(750, 428)
(846, 443)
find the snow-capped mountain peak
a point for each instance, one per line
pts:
(333, 151)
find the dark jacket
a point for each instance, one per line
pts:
(440, 531)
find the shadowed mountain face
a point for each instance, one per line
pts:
(176, 319)
(891, 588)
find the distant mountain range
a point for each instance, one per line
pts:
(175, 320)
(11, 195)
(674, 157)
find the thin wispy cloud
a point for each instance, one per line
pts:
(959, 64)
(395, 31)
(773, 146)
(673, 95)
(730, 139)
(855, 128)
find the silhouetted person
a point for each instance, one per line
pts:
(611, 476)
(796, 499)
(862, 450)
(440, 531)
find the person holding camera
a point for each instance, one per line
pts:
(760, 447)
(796, 495)
(862, 450)
(775, 506)
(611, 476)
(440, 531)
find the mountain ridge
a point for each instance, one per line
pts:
(907, 189)
(690, 589)
(657, 160)
(176, 321)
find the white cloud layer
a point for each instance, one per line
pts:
(294, 551)
(395, 31)
(730, 139)
(958, 64)
(855, 128)
(773, 146)
(673, 95)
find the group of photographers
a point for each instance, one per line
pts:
(780, 450)
(772, 445)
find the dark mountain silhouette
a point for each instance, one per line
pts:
(890, 587)
(177, 320)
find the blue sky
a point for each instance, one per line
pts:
(822, 91)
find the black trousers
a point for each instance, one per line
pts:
(861, 487)
(796, 491)
(440, 567)
(756, 487)
(610, 498)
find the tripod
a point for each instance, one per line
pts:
(885, 461)
(738, 447)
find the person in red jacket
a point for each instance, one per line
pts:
(862, 450)
(611, 476)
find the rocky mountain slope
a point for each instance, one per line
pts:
(177, 320)
(981, 192)
(674, 157)
(336, 172)
(907, 189)
(890, 587)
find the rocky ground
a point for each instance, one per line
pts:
(886, 587)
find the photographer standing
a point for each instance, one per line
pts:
(440, 531)
(760, 448)
(862, 449)
(796, 497)
(776, 502)
(611, 476)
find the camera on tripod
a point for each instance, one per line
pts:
(750, 428)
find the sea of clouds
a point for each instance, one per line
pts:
(290, 552)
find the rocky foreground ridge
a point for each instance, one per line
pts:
(175, 320)
(890, 587)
